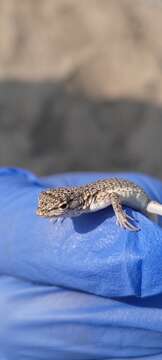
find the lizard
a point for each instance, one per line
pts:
(75, 200)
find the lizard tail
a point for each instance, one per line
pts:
(154, 207)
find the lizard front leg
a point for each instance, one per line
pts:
(122, 217)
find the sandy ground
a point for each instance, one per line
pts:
(81, 85)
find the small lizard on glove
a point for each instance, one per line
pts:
(74, 201)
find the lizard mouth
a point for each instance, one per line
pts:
(42, 212)
(49, 214)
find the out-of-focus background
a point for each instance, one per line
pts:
(81, 85)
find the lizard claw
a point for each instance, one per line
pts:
(123, 221)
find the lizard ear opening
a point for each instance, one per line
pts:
(73, 204)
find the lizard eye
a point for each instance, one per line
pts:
(63, 206)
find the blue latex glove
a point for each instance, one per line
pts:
(52, 274)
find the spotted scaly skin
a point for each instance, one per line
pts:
(74, 201)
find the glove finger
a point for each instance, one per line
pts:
(46, 322)
(89, 253)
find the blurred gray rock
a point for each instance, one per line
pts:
(81, 85)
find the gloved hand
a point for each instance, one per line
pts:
(53, 273)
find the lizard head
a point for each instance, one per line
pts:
(59, 202)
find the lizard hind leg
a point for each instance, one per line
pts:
(122, 217)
